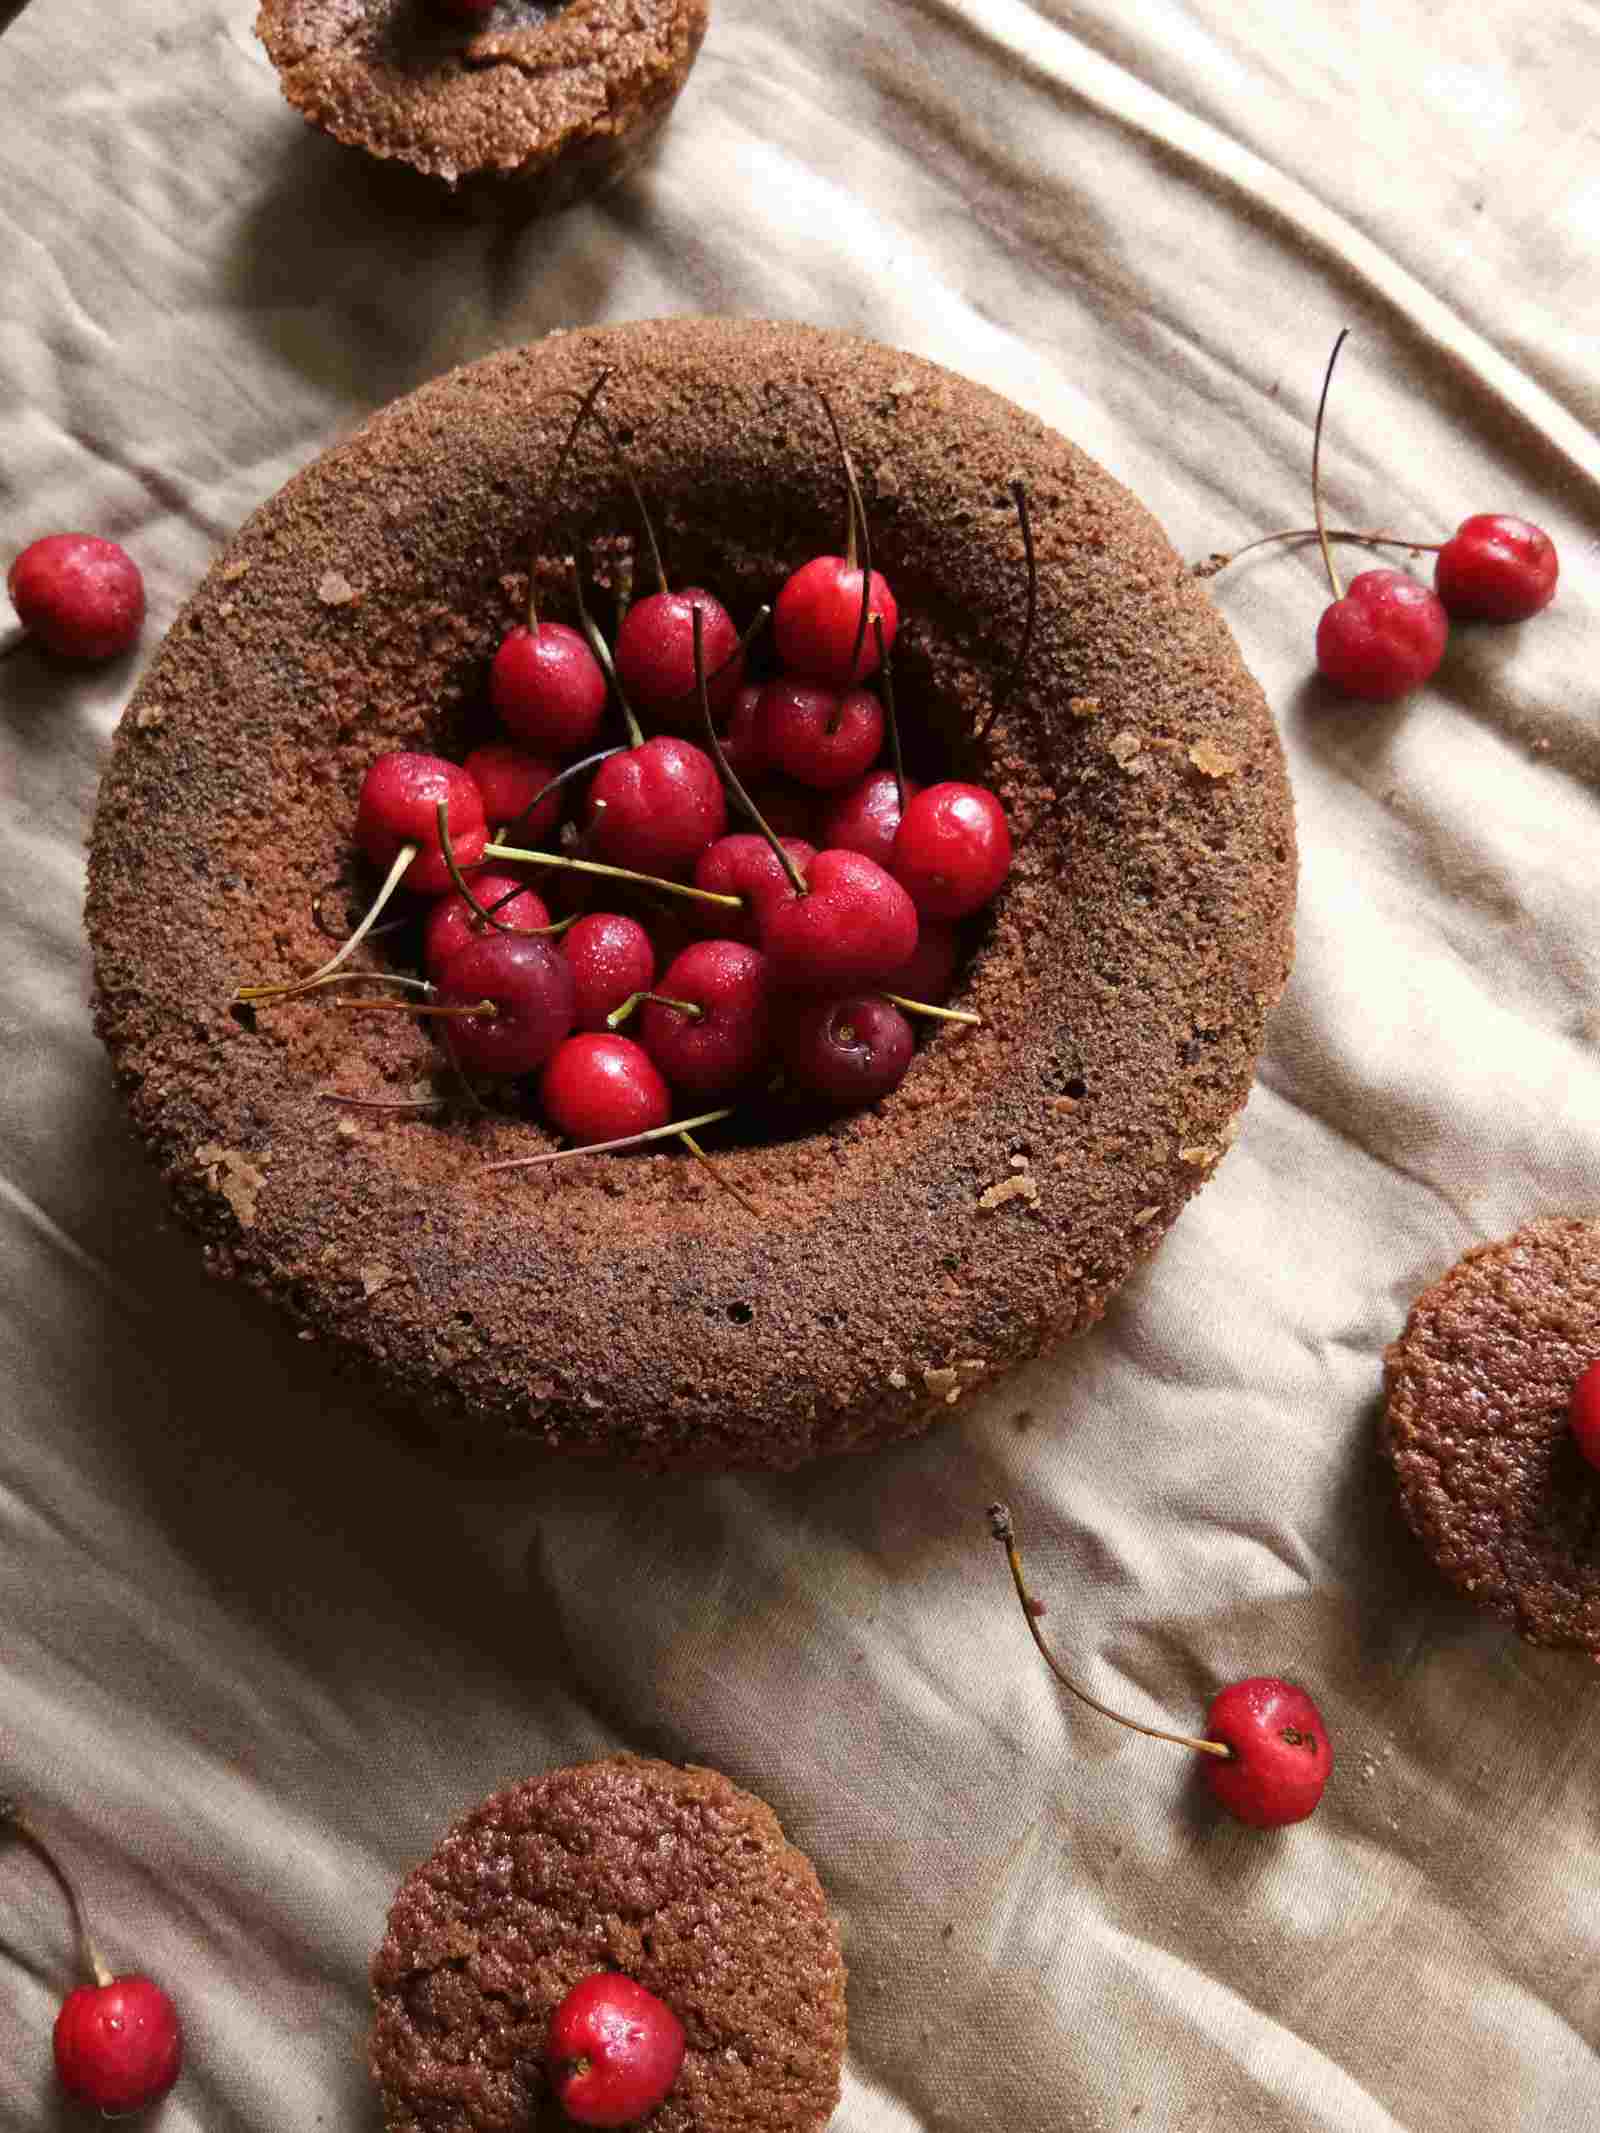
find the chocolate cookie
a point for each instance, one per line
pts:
(875, 1269)
(1477, 1424)
(676, 1878)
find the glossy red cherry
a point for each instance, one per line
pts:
(82, 597)
(118, 2047)
(1281, 1758)
(654, 654)
(952, 851)
(854, 926)
(1586, 1414)
(547, 688)
(614, 2051)
(741, 744)
(509, 779)
(1385, 637)
(400, 796)
(818, 615)
(598, 1086)
(729, 1040)
(452, 922)
(1495, 568)
(611, 958)
(746, 865)
(531, 989)
(850, 1052)
(655, 808)
(865, 817)
(821, 737)
(930, 973)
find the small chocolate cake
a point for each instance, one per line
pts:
(1478, 1425)
(561, 94)
(674, 1877)
(857, 1277)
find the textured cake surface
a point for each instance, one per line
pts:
(897, 1258)
(674, 1876)
(1478, 1425)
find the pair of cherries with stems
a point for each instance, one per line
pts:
(118, 2043)
(1385, 634)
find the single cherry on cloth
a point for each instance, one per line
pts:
(865, 817)
(853, 926)
(822, 737)
(611, 958)
(741, 744)
(1586, 1414)
(850, 1052)
(118, 2046)
(930, 973)
(817, 622)
(655, 808)
(654, 654)
(1383, 638)
(452, 922)
(510, 779)
(744, 864)
(547, 687)
(720, 1032)
(1496, 568)
(952, 851)
(81, 596)
(1280, 1757)
(614, 2051)
(597, 1086)
(529, 986)
(400, 798)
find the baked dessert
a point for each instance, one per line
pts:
(677, 1879)
(885, 1265)
(1477, 1423)
(533, 90)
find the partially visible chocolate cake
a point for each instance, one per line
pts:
(563, 95)
(674, 1877)
(1478, 1426)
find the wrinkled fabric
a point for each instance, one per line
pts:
(257, 1652)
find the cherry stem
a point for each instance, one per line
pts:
(484, 1011)
(887, 672)
(585, 409)
(619, 1015)
(402, 859)
(595, 866)
(562, 777)
(729, 775)
(1214, 563)
(763, 614)
(727, 1184)
(1001, 1527)
(393, 925)
(858, 514)
(376, 977)
(602, 652)
(1316, 466)
(93, 1962)
(644, 515)
(940, 1014)
(629, 1140)
(487, 911)
(1014, 673)
(384, 1103)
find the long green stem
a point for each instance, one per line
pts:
(629, 1140)
(890, 714)
(619, 1015)
(858, 516)
(595, 866)
(939, 1014)
(729, 776)
(1316, 466)
(585, 408)
(602, 652)
(92, 1961)
(247, 993)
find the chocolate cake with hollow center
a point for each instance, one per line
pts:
(896, 1259)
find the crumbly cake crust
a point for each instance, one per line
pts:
(1477, 1424)
(899, 1257)
(674, 1876)
(558, 94)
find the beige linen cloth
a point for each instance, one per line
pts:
(254, 1654)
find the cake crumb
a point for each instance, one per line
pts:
(898, 1379)
(234, 571)
(1020, 1185)
(1145, 1214)
(234, 1176)
(944, 1385)
(1084, 706)
(1198, 1155)
(335, 590)
(1064, 1106)
(149, 715)
(1212, 761)
(375, 1276)
(1128, 750)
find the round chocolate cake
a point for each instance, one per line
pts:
(673, 1877)
(1478, 1425)
(860, 1277)
(562, 94)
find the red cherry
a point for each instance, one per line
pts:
(547, 688)
(1281, 1758)
(746, 865)
(452, 922)
(930, 973)
(82, 597)
(741, 744)
(1386, 636)
(709, 1054)
(854, 926)
(1495, 568)
(532, 991)
(655, 654)
(509, 779)
(399, 798)
(118, 2047)
(850, 1052)
(952, 851)
(818, 614)
(655, 808)
(601, 1087)
(611, 958)
(1586, 1414)
(865, 818)
(614, 2051)
(821, 737)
